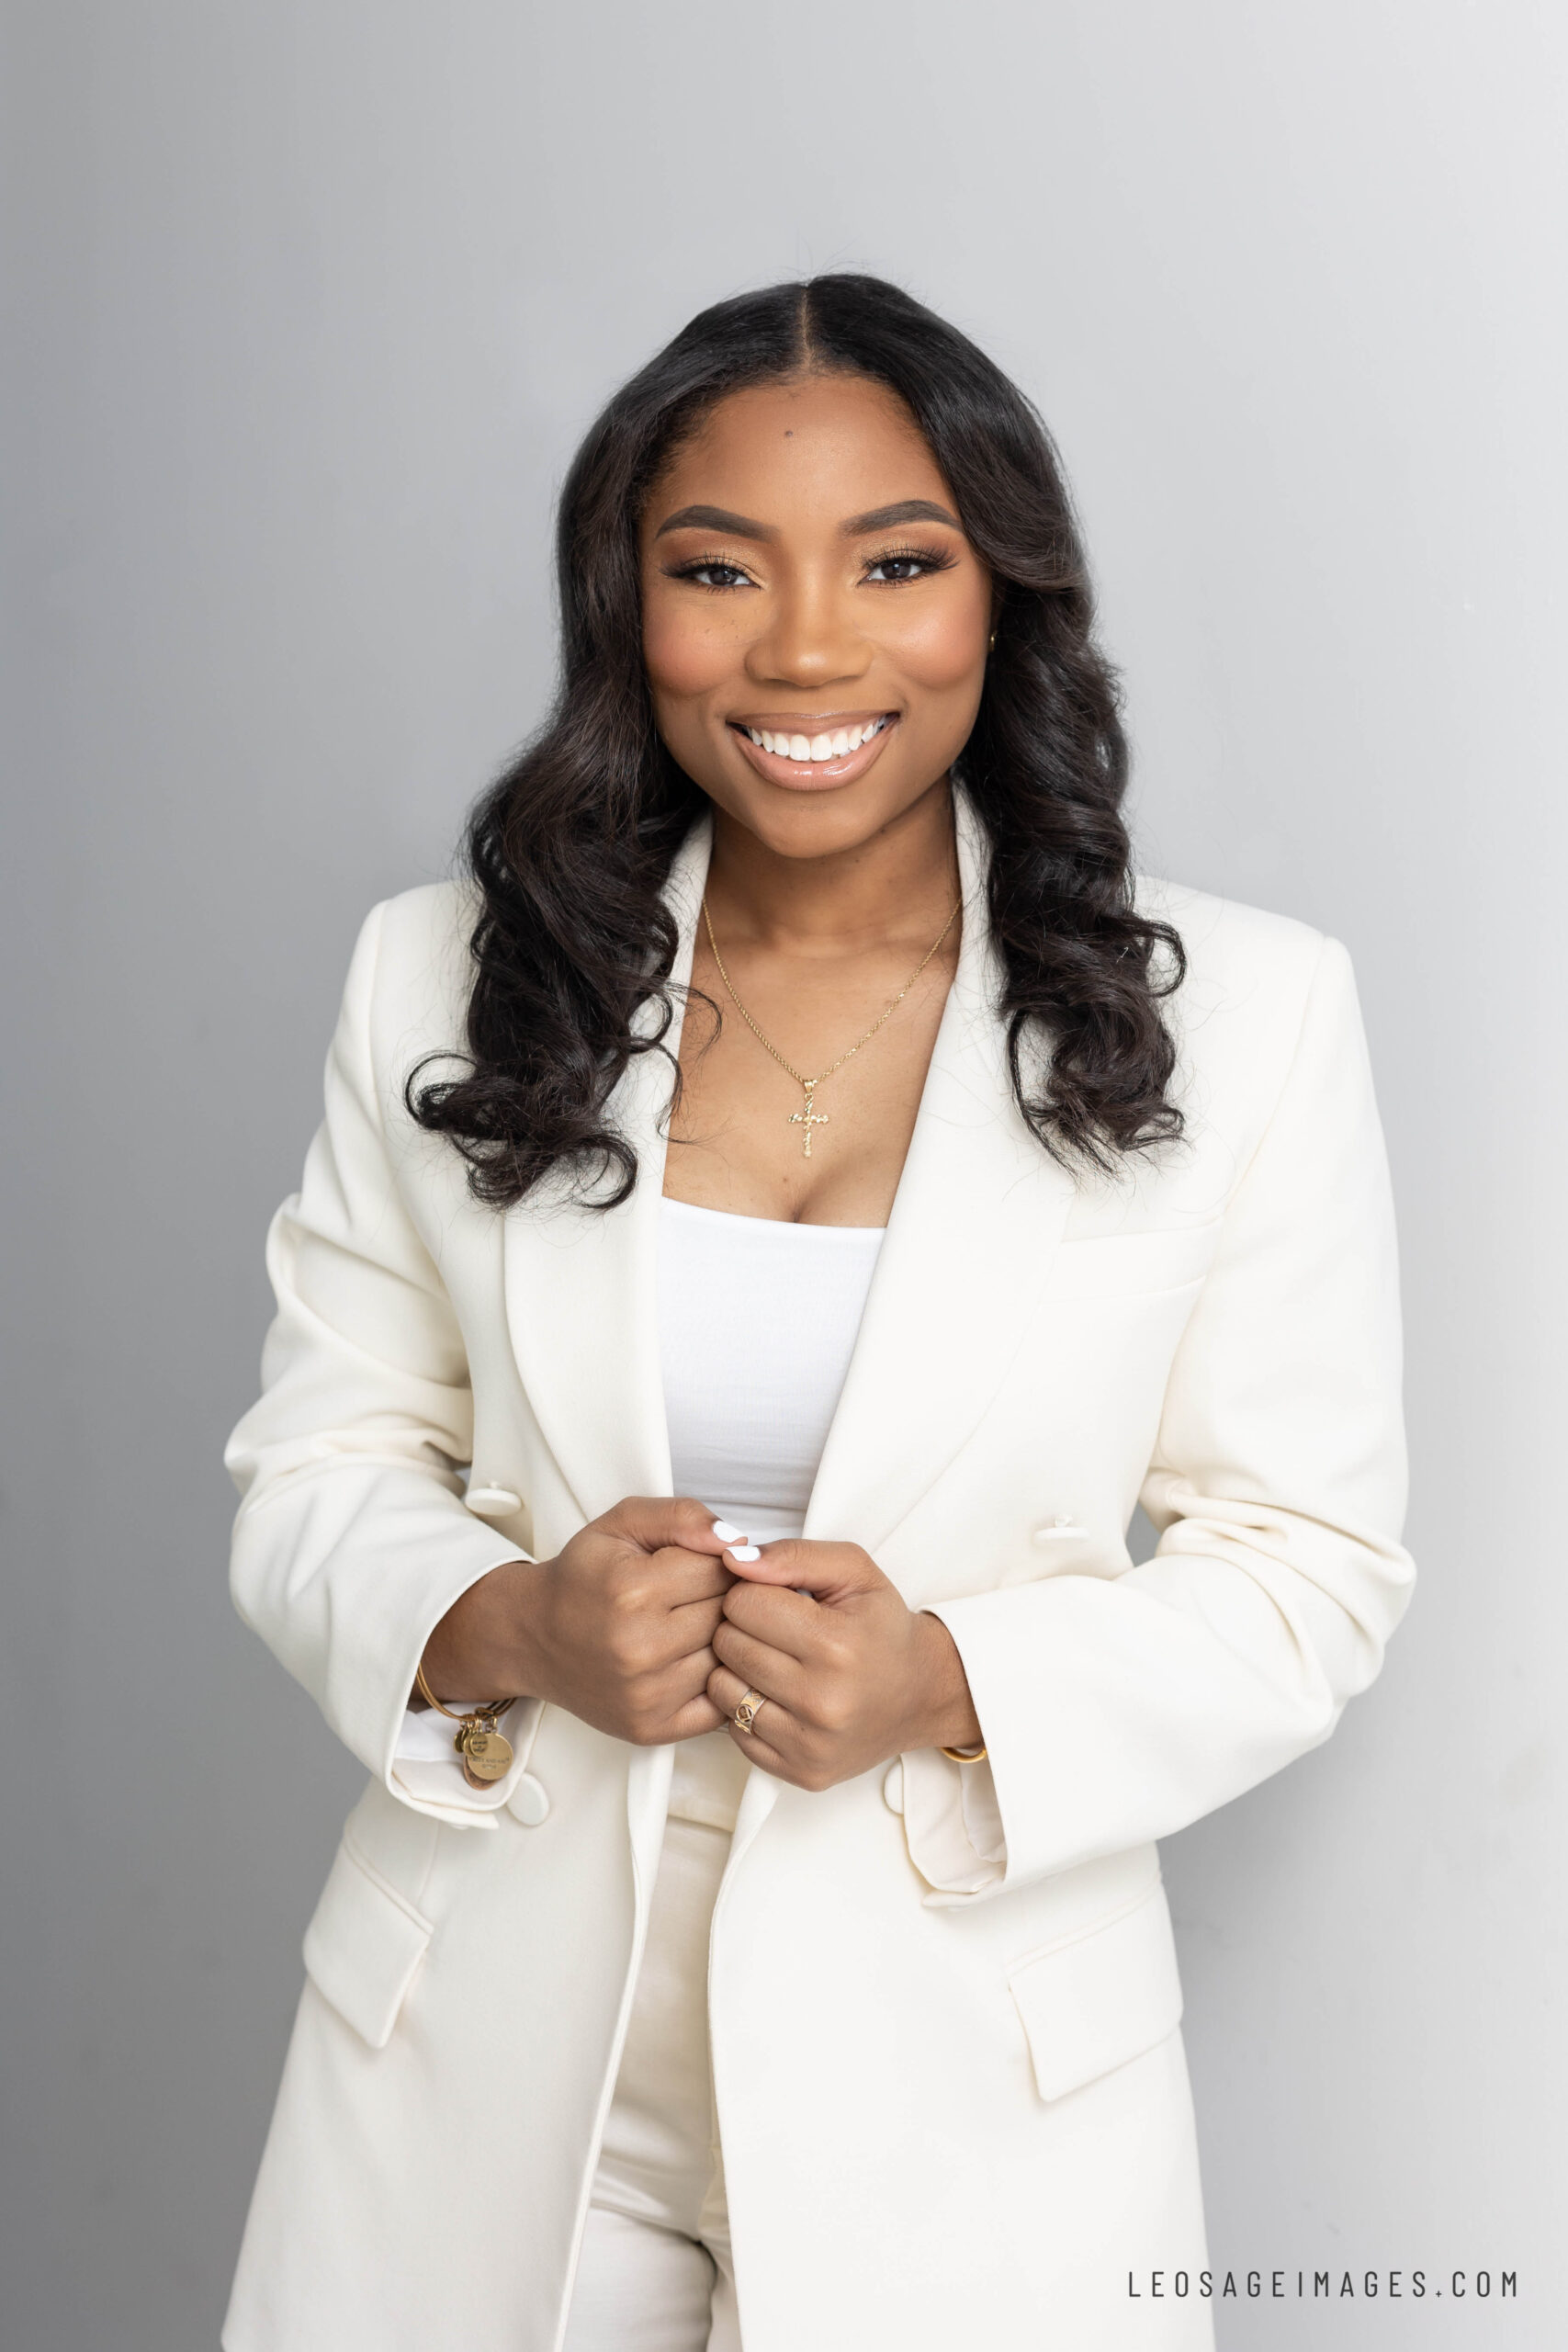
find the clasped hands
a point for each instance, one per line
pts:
(647, 1626)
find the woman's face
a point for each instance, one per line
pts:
(815, 622)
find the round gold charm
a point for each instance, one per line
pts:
(488, 1755)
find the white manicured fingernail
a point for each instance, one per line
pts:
(727, 1534)
(745, 1551)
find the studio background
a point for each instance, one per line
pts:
(308, 303)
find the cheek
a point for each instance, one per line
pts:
(943, 646)
(686, 652)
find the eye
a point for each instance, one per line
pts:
(897, 566)
(710, 571)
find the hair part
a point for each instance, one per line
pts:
(570, 847)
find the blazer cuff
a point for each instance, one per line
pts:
(953, 1825)
(347, 1567)
(426, 1768)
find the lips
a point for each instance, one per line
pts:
(813, 752)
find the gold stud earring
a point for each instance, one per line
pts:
(991, 645)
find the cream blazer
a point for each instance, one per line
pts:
(946, 2117)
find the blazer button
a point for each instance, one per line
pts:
(529, 1801)
(893, 1786)
(1060, 1530)
(492, 1502)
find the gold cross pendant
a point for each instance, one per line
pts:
(808, 1118)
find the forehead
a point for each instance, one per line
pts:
(817, 447)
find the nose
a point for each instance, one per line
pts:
(810, 638)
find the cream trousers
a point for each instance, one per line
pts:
(655, 2273)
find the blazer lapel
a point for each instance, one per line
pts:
(975, 1225)
(581, 1284)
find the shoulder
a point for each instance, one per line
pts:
(1254, 982)
(1243, 964)
(1230, 945)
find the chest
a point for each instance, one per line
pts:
(750, 1136)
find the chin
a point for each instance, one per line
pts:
(823, 821)
(821, 824)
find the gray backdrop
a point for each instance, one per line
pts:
(311, 298)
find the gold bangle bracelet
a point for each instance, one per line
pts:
(965, 1755)
(492, 1707)
(487, 1753)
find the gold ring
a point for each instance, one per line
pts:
(746, 1714)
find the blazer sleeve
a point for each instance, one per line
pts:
(353, 1540)
(1118, 1709)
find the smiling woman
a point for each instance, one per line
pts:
(763, 534)
(773, 1221)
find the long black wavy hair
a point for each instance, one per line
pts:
(572, 845)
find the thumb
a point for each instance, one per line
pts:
(825, 1572)
(654, 1521)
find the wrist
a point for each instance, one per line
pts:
(945, 1716)
(484, 1649)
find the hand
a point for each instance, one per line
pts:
(617, 1629)
(851, 1674)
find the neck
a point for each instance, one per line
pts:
(903, 880)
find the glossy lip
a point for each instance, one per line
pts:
(808, 775)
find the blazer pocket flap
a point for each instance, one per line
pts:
(364, 1946)
(1104, 1997)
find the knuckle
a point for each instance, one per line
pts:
(630, 1649)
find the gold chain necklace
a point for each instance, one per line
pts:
(808, 1116)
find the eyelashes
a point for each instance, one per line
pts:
(699, 564)
(924, 561)
(900, 566)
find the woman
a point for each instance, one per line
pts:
(814, 1194)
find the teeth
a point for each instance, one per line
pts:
(802, 748)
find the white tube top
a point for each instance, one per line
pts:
(757, 1324)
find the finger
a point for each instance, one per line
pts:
(757, 1751)
(673, 1581)
(696, 1716)
(685, 1680)
(692, 1627)
(654, 1521)
(694, 1573)
(760, 1666)
(774, 1722)
(826, 1571)
(781, 1617)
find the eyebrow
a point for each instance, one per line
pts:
(716, 518)
(742, 526)
(888, 518)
